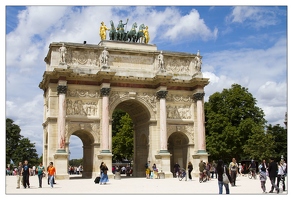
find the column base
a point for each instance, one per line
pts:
(163, 151)
(201, 152)
(61, 151)
(105, 151)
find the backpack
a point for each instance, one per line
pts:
(146, 165)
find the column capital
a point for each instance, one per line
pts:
(162, 94)
(105, 91)
(198, 95)
(61, 89)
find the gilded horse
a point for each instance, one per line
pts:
(140, 34)
(112, 32)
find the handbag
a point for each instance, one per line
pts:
(225, 177)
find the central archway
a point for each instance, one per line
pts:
(140, 116)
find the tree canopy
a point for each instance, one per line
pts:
(232, 121)
(18, 148)
(123, 134)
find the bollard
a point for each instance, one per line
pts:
(161, 175)
(117, 176)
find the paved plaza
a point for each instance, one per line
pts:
(137, 186)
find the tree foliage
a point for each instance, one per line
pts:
(122, 147)
(280, 140)
(232, 117)
(19, 148)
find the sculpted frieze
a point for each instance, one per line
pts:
(178, 112)
(178, 98)
(75, 57)
(132, 59)
(149, 98)
(79, 107)
(178, 65)
(82, 93)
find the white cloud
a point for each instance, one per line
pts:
(256, 17)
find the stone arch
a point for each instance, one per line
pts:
(88, 140)
(142, 101)
(178, 146)
(140, 114)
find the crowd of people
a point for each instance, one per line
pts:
(75, 170)
(273, 171)
(24, 170)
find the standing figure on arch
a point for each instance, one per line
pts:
(103, 29)
(146, 35)
(62, 51)
(104, 57)
(161, 61)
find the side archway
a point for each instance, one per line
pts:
(88, 141)
(178, 147)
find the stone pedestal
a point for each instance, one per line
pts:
(61, 160)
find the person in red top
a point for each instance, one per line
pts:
(51, 173)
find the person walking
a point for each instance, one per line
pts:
(18, 175)
(40, 169)
(252, 167)
(240, 169)
(273, 173)
(176, 169)
(51, 174)
(263, 176)
(208, 168)
(104, 177)
(190, 168)
(26, 168)
(221, 169)
(281, 175)
(233, 168)
(53, 177)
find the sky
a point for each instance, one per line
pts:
(245, 44)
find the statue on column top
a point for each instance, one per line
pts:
(63, 52)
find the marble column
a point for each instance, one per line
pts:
(163, 120)
(198, 97)
(61, 89)
(105, 120)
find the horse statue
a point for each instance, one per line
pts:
(131, 35)
(140, 34)
(112, 32)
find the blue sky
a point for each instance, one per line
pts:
(247, 45)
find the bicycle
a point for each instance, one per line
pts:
(252, 174)
(182, 174)
(203, 177)
(282, 179)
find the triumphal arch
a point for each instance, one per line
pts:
(162, 91)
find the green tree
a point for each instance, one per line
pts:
(117, 115)
(259, 146)
(232, 117)
(19, 148)
(123, 140)
(280, 140)
(12, 138)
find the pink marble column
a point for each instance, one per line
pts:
(61, 89)
(105, 120)
(198, 97)
(163, 121)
